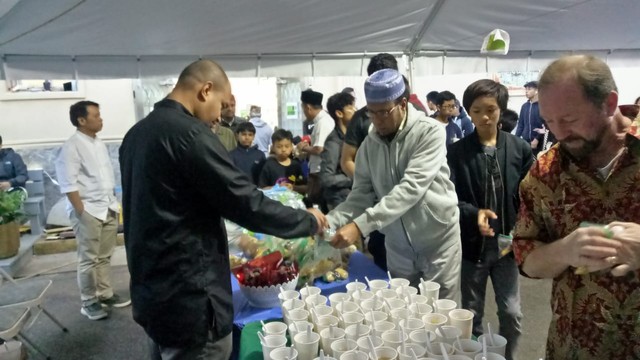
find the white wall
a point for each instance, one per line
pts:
(33, 122)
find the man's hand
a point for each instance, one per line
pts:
(628, 258)
(590, 248)
(483, 222)
(346, 236)
(5, 185)
(323, 223)
(303, 146)
(541, 130)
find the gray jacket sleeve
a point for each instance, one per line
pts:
(425, 164)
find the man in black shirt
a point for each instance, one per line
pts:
(178, 183)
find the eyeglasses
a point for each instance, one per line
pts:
(381, 113)
(631, 111)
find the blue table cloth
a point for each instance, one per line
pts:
(359, 267)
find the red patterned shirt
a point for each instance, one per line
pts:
(595, 316)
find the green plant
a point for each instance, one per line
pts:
(11, 206)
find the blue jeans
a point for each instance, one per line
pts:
(504, 277)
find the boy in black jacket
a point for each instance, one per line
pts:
(486, 168)
(247, 157)
(13, 171)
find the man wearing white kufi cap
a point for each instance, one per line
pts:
(403, 163)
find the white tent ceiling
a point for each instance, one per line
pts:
(131, 38)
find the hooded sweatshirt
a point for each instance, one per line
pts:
(263, 134)
(13, 168)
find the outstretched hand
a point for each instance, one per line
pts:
(323, 223)
(346, 236)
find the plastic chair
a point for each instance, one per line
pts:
(28, 293)
(12, 322)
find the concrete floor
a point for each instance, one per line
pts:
(534, 294)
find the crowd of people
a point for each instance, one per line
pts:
(456, 192)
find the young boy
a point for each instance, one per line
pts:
(247, 157)
(486, 168)
(281, 168)
(336, 184)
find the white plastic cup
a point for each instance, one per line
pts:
(326, 357)
(372, 304)
(490, 356)
(319, 311)
(410, 325)
(307, 291)
(400, 314)
(359, 296)
(354, 286)
(354, 355)
(315, 300)
(398, 283)
(297, 326)
(396, 304)
(307, 344)
(327, 338)
(351, 318)
(342, 346)
(284, 353)
(325, 322)
(288, 295)
(363, 343)
(298, 315)
(433, 320)
(430, 289)
(274, 328)
(499, 343)
(377, 316)
(405, 291)
(422, 337)
(349, 307)
(417, 299)
(356, 331)
(419, 310)
(467, 347)
(387, 294)
(393, 338)
(444, 306)
(384, 352)
(336, 298)
(270, 343)
(377, 285)
(418, 349)
(381, 326)
(435, 350)
(449, 336)
(463, 320)
(289, 305)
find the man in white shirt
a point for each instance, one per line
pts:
(323, 126)
(86, 177)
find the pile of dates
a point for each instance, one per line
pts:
(267, 270)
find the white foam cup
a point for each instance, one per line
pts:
(270, 343)
(449, 336)
(327, 338)
(307, 291)
(463, 320)
(356, 331)
(393, 338)
(363, 343)
(422, 337)
(418, 349)
(307, 344)
(342, 346)
(377, 316)
(284, 353)
(410, 325)
(274, 328)
(433, 320)
(430, 289)
(444, 306)
(467, 347)
(499, 343)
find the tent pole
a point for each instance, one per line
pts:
(415, 42)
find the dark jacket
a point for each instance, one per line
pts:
(468, 172)
(529, 120)
(13, 168)
(249, 160)
(178, 183)
(336, 184)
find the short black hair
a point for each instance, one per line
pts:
(444, 96)
(79, 109)
(432, 96)
(281, 134)
(382, 61)
(486, 87)
(348, 89)
(246, 126)
(531, 84)
(338, 101)
(508, 120)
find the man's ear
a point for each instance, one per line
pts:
(206, 90)
(82, 120)
(339, 114)
(611, 103)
